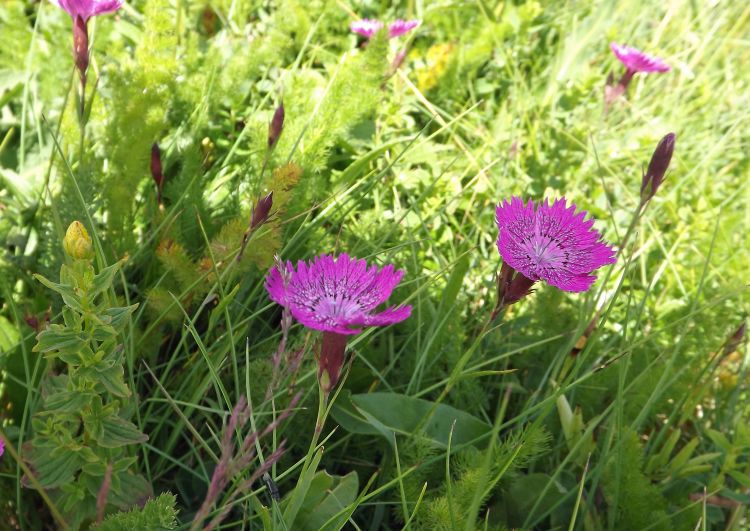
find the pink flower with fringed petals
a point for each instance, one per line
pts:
(337, 295)
(369, 27)
(637, 61)
(400, 27)
(366, 27)
(88, 8)
(551, 243)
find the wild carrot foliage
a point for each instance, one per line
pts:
(147, 379)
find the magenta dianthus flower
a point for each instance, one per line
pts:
(2, 447)
(551, 243)
(637, 61)
(88, 8)
(337, 296)
(366, 27)
(369, 27)
(400, 27)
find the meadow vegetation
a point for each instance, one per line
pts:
(164, 165)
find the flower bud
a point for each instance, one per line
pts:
(261, 211)
(276, 126)
(735, 340)
(77, 242)
(512, 286)
(331, 360)
(657, 168)
(156, 171)
(81, 46)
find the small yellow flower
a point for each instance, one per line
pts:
(77, 242)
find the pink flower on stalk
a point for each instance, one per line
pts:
(637, 61)
(551, 243)
(401, 27)
(2, 447)
(369, 27)
(337, 296)
(366, 27)
(88, 8)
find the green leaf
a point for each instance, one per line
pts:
(131, 489)
(67, 292)
(328, 495)
(298, 495)
(113, 380)
(719, 440)
(404, 414)
(119, 432)
(119, 316)
(67, 401)
(349, 418)
(59, 338)
(103, 280)
(55, 466)
(523, 495)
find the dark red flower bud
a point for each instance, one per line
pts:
(331, 359)
(276, 125)
(156, 171)
(736, 339)
(512, 286)
(81, 46)
(261, 211)
(657, 168)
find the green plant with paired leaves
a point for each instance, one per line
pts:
(83, 447)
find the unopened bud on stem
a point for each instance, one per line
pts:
(261, 211)
(81, 47)
(276, 126)
(77, 242)
(657, 168)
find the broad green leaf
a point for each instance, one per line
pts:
(404, 414)
(349, 418)
(113, 380)
(524, 492)
(131, 489)
(119, 316)
(56, 466)
(298, 495)
(117, 431)
(66, 401)
(59, 338)
(328, 495)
